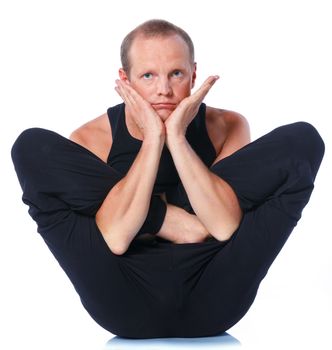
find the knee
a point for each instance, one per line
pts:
(308, 145)
(36, 146)
(303, 143)
(31, 152)
(308, 134)
(29, 143)
(21, 149)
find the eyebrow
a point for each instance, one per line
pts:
(152, 70)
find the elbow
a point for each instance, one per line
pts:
(224, 234)
(114, 238)
(225, 230)
(117, 249)
(115, 242)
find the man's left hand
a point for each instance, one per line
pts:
(177, 123)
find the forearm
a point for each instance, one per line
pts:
(211, 198)
(125, 208)
(181, 227)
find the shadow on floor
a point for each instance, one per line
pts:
(224, 340)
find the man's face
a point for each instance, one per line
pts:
(161, 71)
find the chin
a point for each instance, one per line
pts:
(164, 113)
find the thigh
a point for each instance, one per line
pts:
(265, 167)
(271, 164)
(53, 170)
(58, 175)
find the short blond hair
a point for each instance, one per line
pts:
(153, 28)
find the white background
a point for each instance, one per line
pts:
(59, 60)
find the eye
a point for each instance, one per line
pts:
(147, 76)
(177, 74)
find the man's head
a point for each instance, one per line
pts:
(158, 59)
(150, 29)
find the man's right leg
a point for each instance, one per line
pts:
(64, 184)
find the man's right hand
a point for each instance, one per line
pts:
(146, 118)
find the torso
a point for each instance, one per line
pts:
(96, 135)
(126, 146)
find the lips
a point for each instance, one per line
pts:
(169, 106)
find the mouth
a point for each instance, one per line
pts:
(168, 106)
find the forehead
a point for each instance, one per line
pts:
(159, 50)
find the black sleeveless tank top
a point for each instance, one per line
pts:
(125, 147)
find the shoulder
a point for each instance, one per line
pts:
(230, 129)
(225, 118)
(88, 132)
(95, 135)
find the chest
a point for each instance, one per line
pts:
(215, 129)
(102, 141)
(200, 134)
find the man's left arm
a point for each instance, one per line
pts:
(212, 199)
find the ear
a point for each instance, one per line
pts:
(193, 77)
(123, 75)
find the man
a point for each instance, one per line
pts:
(163, 163)
(155, 83)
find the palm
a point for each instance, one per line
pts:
(185, 112)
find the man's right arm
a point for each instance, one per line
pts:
(125, 208)
(166, 220)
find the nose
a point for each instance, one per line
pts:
(164, 87)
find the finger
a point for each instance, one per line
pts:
(209, 82)
(124, 92)
(132, 98)
(120, 89)
(135, 98)
(205, 87)
(132, 95)
(119, 92)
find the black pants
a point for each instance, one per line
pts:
(162, 289)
